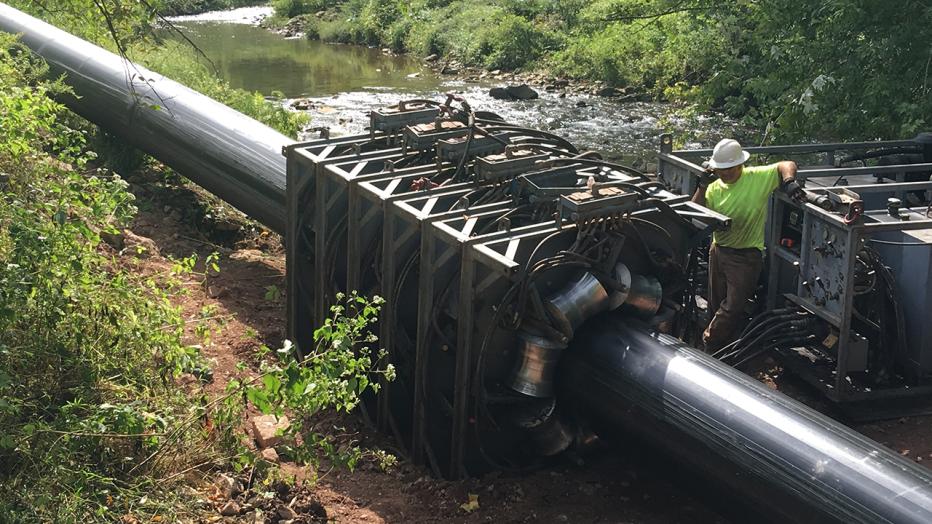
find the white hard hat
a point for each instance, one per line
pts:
(728, 153)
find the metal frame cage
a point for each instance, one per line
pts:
(500, 232)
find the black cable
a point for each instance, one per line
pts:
(771, 346)
(562, 142)
(761, 322)
(744, 346)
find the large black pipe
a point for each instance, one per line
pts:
(227, 153)
(786, 461)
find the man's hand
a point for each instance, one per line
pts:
(706, 177)
(793, 190)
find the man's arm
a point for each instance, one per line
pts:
(705, 178)
(787, 171)
(699, 195)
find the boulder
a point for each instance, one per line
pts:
(499, 93)
(522, 92)
(229, 487)
(230, 509)
(143, 246)
(267, 429)
(301, 104)
(115, 240)
(270, 455)
(286, 513)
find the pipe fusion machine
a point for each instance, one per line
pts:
(492, 245)
(534, 292)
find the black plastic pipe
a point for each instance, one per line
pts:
(778, 459)
(225, 152)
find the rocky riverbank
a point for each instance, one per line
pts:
(510, 82)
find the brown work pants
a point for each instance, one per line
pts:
(733, 275)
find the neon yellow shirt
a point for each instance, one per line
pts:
(745, 201)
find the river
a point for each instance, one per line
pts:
(344, 82)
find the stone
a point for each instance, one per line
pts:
(270, 455)
(581, 103)
(217, 292)
(432, 58)
(229, 487)
(114, 240)
(226, 225)
(499, 93)
(301, 104)
(267, 429)
(522, 92)
(608, 92)
(286, 513)
(144, 246)
(230, 509)
(311, 508)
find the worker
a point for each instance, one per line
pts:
(736, 255)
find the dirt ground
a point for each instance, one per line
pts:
(245, 305)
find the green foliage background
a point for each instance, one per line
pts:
(86, 349)
(799, 69)
(92, 423)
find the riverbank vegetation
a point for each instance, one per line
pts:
(109, 411)
(795, 69)
(185, 7)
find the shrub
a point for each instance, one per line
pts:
(84, 346)
(293, 8)
(510, 43)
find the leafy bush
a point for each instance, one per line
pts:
(510, 43)
(477, 33)
(654, 53)
(93, 425)
(342, 367)
(293, 8)
(376, 18)
(83, 344)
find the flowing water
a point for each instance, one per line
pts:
(343, 83)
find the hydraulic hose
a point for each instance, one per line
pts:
(788, 462)
(768, 333)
